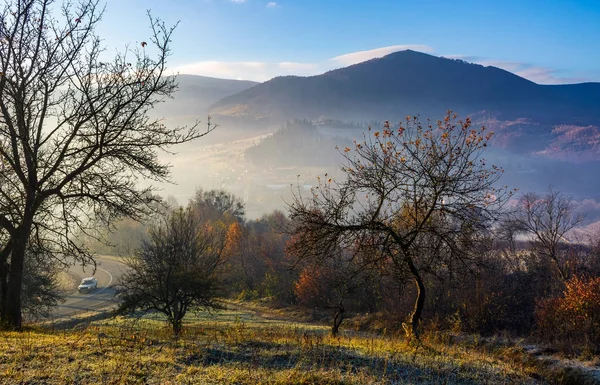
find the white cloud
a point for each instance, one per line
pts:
(230, 70)
(544, 75)
(537, 74)
(258, 71)
(238, 1)
(271, 4)
(361, 56)
(262, 71)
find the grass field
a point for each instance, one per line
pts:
(242, 346)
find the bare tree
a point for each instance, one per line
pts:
(75, 136)
(334, 283)
(175, 271)
(217, 203)
(547, 219)
(415, 195)
(507, 231)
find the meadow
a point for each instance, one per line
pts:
(246, 345)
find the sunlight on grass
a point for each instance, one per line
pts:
(240, 347)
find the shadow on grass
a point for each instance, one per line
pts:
(273, 356)
(79, 322)
(395, 367)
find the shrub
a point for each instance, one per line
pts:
(572, 320)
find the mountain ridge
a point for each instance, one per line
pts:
(410, 82)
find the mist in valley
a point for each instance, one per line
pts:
(264, 162)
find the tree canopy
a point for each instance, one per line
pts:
(415, 196)
(174, 271)
(75, 136)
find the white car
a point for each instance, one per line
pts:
(88, 284)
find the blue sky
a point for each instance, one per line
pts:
(547, 41)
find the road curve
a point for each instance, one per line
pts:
(108, 271)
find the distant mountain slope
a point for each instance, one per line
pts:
(197, 93)
(409, 82)
(297, 143)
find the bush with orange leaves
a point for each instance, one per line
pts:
(572, 321)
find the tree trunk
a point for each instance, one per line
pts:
(4, 254)
(3, 286)
(337, 321)
(415, 317)
(177, 326)
(11, 315)
(177, 320)
(562, 270)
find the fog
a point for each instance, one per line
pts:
(262, 164)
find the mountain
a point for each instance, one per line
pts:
(410, 83)
(197, 93)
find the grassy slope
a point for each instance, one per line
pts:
(242, 347)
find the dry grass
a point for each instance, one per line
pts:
(241, 347)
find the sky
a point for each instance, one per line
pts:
(546, 41)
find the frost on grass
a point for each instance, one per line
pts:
(237, 347)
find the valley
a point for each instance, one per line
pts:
(299, 192)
